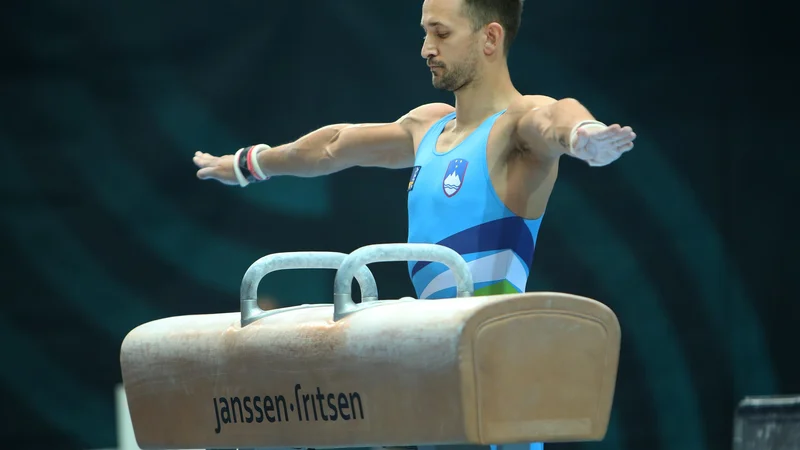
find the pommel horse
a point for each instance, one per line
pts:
(501, 369)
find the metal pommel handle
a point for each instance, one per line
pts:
(342, 300)
(250, 310)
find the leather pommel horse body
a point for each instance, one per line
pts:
(529, 367)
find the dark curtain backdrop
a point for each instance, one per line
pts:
(104, 225)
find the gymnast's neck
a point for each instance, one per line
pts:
(488, 93)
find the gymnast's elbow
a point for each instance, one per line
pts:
(535, 131)
(547, 128)
(316, 162)
(315, 154)
(335, 155)
(566, 113)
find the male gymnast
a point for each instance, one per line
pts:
(481, 172)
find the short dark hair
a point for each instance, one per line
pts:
(508, 13)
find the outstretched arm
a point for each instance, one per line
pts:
(551, 128)
(329, 149)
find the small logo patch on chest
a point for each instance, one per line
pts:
(454, 176)
(413, 179)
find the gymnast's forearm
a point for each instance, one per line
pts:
(308, 156)
(556, 122)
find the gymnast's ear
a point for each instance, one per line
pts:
(493, 38)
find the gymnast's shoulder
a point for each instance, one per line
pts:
(431, 111)
(525, 103)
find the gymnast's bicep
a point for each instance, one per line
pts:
(387, 145)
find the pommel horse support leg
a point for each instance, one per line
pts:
(503, 369)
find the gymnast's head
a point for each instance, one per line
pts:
(467, 39)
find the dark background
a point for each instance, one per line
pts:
(104, 225)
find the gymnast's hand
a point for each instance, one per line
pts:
(600, 145)
(218, 168)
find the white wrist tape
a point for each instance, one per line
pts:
(246, 166)
(587, 124)
(239, 176)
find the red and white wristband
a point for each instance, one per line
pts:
(245, 165)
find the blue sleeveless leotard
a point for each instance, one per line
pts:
(451, 201)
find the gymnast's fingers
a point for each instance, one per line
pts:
(617, 137)
(623, 140)
(204, 159)
(611, 131)
(601, 135)
(206, 173)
